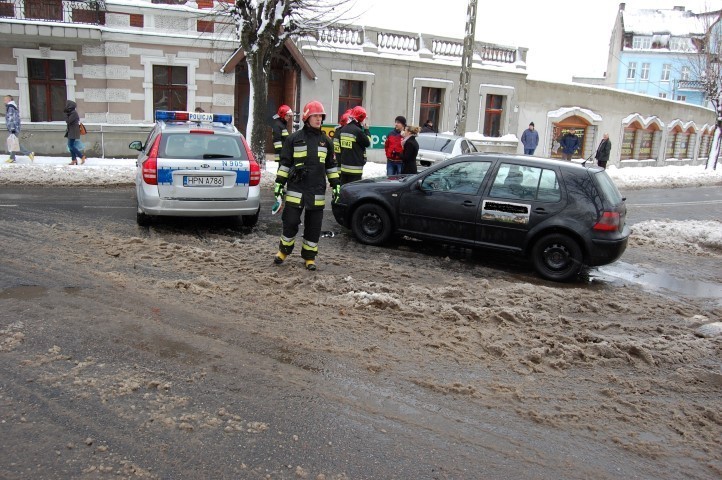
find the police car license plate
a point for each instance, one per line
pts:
(198, 181)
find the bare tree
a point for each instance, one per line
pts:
(706, 68)
(262, 27)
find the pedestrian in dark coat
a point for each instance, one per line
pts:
(603, 151)
(411, 149)
(72, 119)
(530, 139)
(428, 127)
(569, 144)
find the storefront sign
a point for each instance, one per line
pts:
(378, 134)
(627, 143)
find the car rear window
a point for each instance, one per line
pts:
(436, 143)
(201, 146)
(608, 188)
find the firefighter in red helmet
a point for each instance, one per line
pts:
(282, 120)
(354, 138)
(336, 142)
(307, 161)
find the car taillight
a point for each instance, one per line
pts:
(608, 222)
(150, 166)
(255, 168)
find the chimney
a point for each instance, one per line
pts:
(621, 6)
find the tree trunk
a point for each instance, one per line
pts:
(256, 129)
(714, 151)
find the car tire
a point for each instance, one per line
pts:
(251, 220)
(557, 257)
(371, 224)
(142, 219)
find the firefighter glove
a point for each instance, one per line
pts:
(277, 190)
(335, 193)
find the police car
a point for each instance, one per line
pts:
(196, 165)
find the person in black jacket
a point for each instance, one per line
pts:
(603, 151)
(354, 139)
(428, 127)
(307, 161)
(280, 128)
(411, 149)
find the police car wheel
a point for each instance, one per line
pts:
(142, 219)
(250, 220)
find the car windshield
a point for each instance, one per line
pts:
(436, 143)
(609, 189)
(199, 146)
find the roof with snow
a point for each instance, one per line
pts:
(677, 22)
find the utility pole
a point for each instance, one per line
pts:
(467, 57)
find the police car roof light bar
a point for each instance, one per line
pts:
(175, 116)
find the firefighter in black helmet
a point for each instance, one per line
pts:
(354, 138)
(306, 163)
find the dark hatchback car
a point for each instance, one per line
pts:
(560, 215)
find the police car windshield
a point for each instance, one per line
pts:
(201, 146)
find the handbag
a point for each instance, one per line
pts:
(82, 128)
(13, 143)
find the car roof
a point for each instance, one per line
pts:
(528, 159)
(187, 126)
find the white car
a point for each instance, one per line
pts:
(196, 165)
(435, 147)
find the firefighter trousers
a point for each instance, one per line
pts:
(349, 177)
(311, 230)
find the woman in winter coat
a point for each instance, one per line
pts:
(411, 149)
(72, 119)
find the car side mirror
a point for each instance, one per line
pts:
(420, 186)
(136, 145)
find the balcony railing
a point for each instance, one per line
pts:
(689, 85)
(78, 11)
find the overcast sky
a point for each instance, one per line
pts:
(564, 38)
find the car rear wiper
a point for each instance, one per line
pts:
(216, 155)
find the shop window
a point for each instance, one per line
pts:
(431, 105)
(170, 87)
(627, 147)
(574, 125)
(47, 90)
(646, 140)
(705, 145)
(350, 95)
(492, 115)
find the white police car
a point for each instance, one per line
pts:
(196, 165)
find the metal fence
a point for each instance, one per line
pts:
(64, 11)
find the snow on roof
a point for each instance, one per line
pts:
(651, 21)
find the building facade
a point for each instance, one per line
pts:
(121, 60)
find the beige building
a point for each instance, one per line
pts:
(122, 59)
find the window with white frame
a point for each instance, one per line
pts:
(685, 73)
(682, 98)
(678, 44)
(644, 74)
(662, 95)
(641, 42)
(631, 70)
(666, 71)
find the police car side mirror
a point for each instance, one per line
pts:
(136, 145)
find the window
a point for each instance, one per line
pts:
(666, 70)
(492, 115)
(431, 105)
(350, 95)
(631, 70)
(44, 9)
(645, 71)
(682, 98)
(170, 87)
(47, 92)
(526, 183)
(662, 95)
(641, 43)
(679, 44)
(463, 177)
(685, 73)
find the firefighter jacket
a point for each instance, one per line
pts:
(280, 133)
(306, 163)
(353, 141)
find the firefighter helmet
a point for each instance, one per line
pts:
(344, 118)
(313, 108)
(284, 110)
(358, 113)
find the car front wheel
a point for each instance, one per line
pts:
(557, 257)
(371, 224)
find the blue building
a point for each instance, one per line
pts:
(656, 52)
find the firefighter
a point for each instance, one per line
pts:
(336, 142)
(281, 122)
(354, 138)
(306, 163)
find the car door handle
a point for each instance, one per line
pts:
(468, 203)
(540, 210)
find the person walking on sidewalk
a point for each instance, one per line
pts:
(12, 122)
(603, 151)
(530, 139)
(72, 119)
